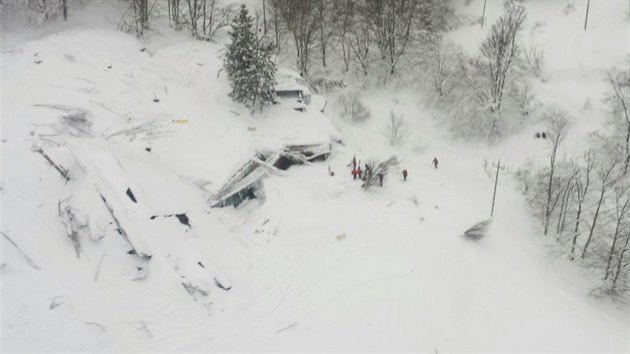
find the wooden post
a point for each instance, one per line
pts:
(494, 194)
(483, 14)
(588, 5)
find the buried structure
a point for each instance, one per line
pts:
(246, 182)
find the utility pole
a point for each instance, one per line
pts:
(265, 19)
(483, 14)
(588, 5)
(496, 181)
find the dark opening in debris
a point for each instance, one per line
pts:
(217, 283)
(153, 217)
(283, 163)
(131, 196)
(183, 218)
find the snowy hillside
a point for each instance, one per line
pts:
(116, 248)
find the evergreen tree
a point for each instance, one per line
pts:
(248, 63)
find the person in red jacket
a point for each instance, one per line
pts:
(405, 175)
(355, 172)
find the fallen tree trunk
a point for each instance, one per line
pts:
(27, 258)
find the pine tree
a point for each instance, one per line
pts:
(248, 63)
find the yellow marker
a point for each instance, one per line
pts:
(181, 121)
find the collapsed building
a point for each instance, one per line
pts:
(246, 182)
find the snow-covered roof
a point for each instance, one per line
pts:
(289, 80)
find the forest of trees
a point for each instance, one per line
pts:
(584, 201)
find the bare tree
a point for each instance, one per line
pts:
(582, 183)
(559, 128)
(345, 22)
(499, 51)
(276, 22)
(64, 7)
(204, 18)
(565, 194)
(140, 12)
(444, 63)
(606, 181)
(618, 102)
(622, 263)
(395, 131)
(301, 19)
(174, 13)
(326, 20)
(391, 21)
(621, 208)
(360, 43)
(353, 107)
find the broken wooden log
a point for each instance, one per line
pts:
(62, 171)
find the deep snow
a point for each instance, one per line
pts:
(319, 265)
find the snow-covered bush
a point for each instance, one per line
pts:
(395, 131)
(535, 58)
(477, 231)
(353, 108)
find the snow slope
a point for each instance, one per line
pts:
(318, 266)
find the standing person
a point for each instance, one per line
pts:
(354, 162)
(380, 178)
(435, 162)
(405, 175)
(359, 172)
(354, 172)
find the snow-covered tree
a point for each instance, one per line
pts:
(248, 64)
(558, 131)
(500, 50)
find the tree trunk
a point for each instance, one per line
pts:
(483, 13)
(577, 228)
(620, 262)
(620, 216)
(590, 234)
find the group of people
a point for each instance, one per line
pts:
(366, 174)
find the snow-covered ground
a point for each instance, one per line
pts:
(320, 265)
